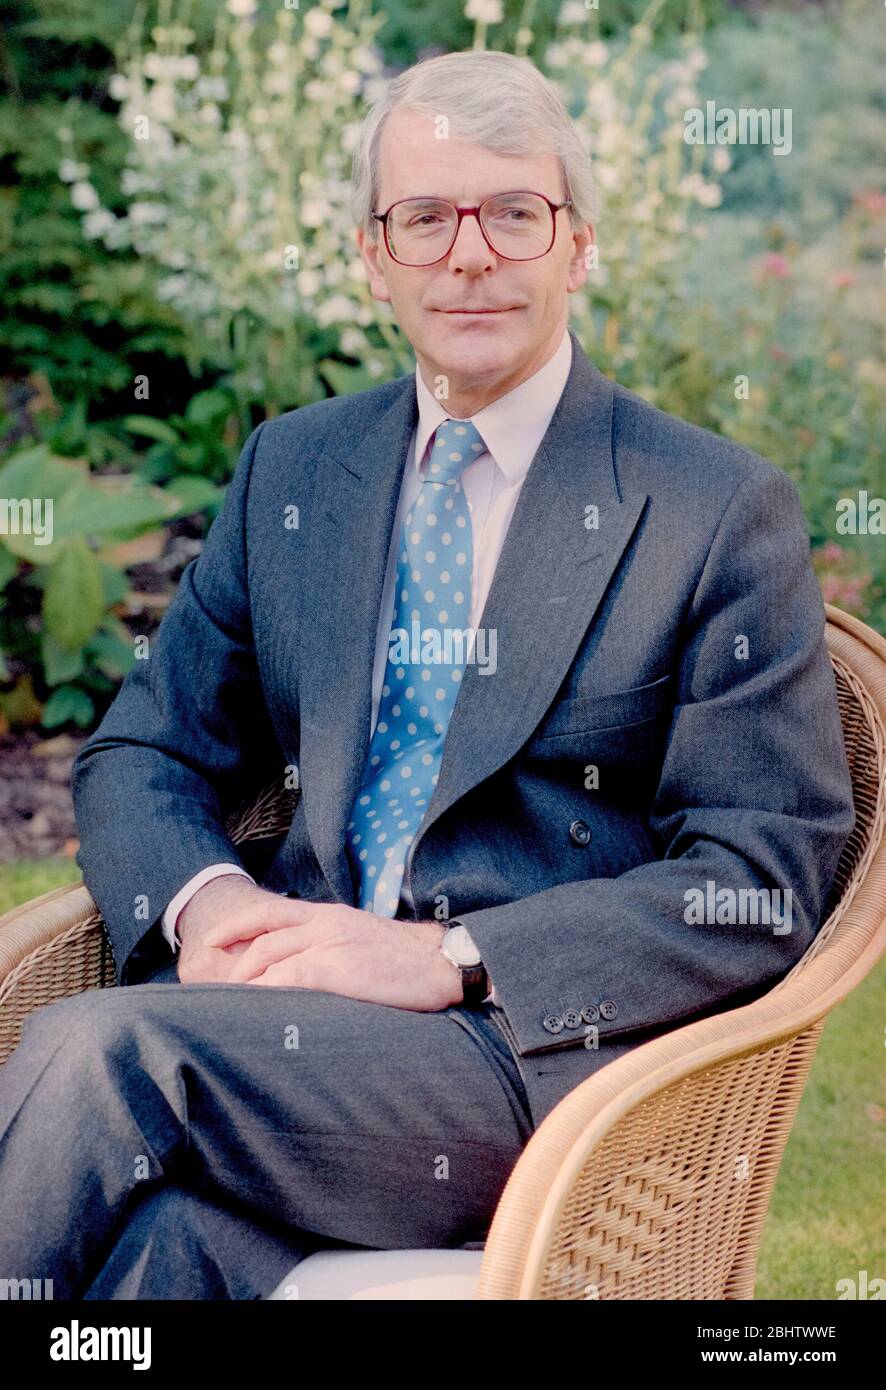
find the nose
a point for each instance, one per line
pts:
(470, 250)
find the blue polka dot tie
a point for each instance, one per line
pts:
(427, 650)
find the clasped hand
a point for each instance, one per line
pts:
(234, 932)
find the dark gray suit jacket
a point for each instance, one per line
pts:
(676, 647)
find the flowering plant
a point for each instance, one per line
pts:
(238, 185)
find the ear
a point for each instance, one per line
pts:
(371, 253)
(580, 261)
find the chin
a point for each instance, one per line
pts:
(452, 345)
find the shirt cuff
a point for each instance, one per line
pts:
(169, 921)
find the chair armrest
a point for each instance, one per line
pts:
(50, 947)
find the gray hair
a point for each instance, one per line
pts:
(492, 99)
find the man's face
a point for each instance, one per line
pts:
(482, 355)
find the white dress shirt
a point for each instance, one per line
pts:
(512, 429)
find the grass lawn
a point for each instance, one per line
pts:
(827, 1220)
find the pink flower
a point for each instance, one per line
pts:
(832, 552)
(842, 279)
(872, 200)
(776, 265)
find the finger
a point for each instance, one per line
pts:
(284, 974)
(249, 924)
(265, 951)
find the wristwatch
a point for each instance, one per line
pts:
(460, 951)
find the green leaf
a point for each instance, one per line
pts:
(115, 584)
(59, 664)
(68, 702)
(193, 494)
(73, 603)
(344, 379)
(151, 428)
(8, 566)
(110, 652)
(209, 407)
(79, 503)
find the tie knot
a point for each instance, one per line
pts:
(456, 443)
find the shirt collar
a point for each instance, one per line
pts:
(512, 426)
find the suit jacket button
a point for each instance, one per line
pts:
(579, 832)
(590, 1013)
(608, 1010)
(572, 1018)
(553, 1024)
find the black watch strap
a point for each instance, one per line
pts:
(475, 984)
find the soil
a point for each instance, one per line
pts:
(36, 813)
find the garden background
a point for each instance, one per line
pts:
(177, 262)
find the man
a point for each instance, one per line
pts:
(550, 666)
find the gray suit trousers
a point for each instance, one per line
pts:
(179, 1141)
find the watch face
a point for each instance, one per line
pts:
(458, 944)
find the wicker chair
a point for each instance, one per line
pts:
(650, 1180)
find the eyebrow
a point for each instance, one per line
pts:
(442, 197)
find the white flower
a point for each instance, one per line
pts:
(721, 160)
(118, 87)
(84, 196)
(318, 23)
(309, 282)
(337, 309)
(366, 59)
(596, 54)
(607, 175)
(241, 8)
(573, 12)
(131, 181)
(352, 341)
(69, 171)
(276, 84)
(173, 287)
(147, 214)
(485, 11)
(313, 214)
(97, 223)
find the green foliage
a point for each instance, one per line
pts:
(226, 274)
(74, 313)
(194, 450)
(60, 619)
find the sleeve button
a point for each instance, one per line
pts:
(579, 832)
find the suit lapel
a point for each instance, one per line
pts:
(551, 576)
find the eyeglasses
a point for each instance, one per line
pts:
(517, 226)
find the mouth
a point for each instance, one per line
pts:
(476, 313)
